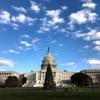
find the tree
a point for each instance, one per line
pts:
(2, 85)
(81, 79)
(12, 81)
(49, 83)
(23, 80)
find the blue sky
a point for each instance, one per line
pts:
(69, 27)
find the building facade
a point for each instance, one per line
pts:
(36, 79)
(5, 74)
(94, 74)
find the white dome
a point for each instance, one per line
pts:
(48, 59)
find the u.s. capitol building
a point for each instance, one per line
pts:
(36, 79)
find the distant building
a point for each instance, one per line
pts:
(5, 74)
(94, 74)
(36, 79)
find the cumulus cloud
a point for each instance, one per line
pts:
(96, 36)
(83, 16)
(5, 62)
(25, 36)
(55, 15)
(64, 7)
(34, 6)
(21, 18)
(19, 9)
(26, 45)
(53, 41)
(94, 63)
(5, 17)
(97, 45)
(13, 51)
(89, 4)
(70, 64)
(35, 40)
(97, 42)
(93, 34)
(97, 48)
(86, 47)
(15, 26)
(51, 20)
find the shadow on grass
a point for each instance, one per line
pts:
(38, 94)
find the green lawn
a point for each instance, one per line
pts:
(38, 94)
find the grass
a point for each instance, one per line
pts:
(39, 94)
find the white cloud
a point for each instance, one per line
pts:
(34, 6)
(82, 16)
(63, 30)
(97, 48)
(35, 40)
(15, 26)
(94, 63)
(79, 35)
(51, 21)
(93, 34)
(13, 51)
(44, 27)
(19, 9)
(21, 18)
(90, 5)
(70, 64)
(60, 44)
(97, 42)
(26, 36)
(5, 62)
(97, 45)
(92, 17)
(64, 7)
(55, 15)
(96, 36)
(7, 18)
(78, 17)
(4, 17)
(20, 48)
(86, 47)
(25, 43)
(53, 41)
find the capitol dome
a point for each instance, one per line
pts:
(48, 59)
